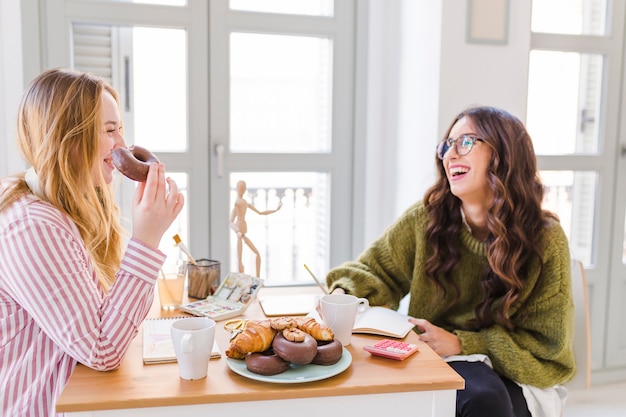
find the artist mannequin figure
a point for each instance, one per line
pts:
(239, 225)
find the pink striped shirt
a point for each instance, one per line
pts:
(53, 313)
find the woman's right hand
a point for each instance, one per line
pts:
(443, 342)
(154, 207)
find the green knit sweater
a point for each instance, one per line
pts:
(538, 352)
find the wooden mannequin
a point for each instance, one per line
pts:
(239, 225)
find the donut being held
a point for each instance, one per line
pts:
(134, 162)
(299, 353)
(266, 363)
(328, 352)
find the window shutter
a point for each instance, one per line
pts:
(93, 49)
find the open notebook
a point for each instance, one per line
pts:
(380, 321)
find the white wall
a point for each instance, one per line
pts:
(402, 108)
(11, 84)
(418, 114)
(483, 74)
(381, 117)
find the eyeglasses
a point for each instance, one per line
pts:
(462, 145)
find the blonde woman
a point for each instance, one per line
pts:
(69, 292)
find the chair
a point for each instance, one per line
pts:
(582, 328)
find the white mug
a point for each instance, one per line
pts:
(339, 312)
(193, 341)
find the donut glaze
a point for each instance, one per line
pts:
(266, 363)
(328, 353)
(300, 353)
(133, 162)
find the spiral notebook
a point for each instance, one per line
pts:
(157, 341)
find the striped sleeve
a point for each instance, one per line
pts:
(53, 312)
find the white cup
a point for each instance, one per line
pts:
(193, 342)
(339, 313)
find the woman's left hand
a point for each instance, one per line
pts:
(441, 341)
(156, 204)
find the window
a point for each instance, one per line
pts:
(283, 127)
(259, 91)
(574, 114)
(566, 96)
(153, 93)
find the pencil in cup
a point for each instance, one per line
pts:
(203, 278)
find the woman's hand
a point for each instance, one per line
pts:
(154, 208)
(441, 341)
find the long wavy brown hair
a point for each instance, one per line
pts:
(58, 127)
(514, 218)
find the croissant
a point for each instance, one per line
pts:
(319, 331)
(256, 337)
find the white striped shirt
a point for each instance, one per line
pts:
(53, 313)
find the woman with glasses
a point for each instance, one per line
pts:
(487, 270)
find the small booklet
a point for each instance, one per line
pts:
(157, 341)
(380, 321)
(288, 305)
(231, 298)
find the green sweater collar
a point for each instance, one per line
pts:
(474, 245)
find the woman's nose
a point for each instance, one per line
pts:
(451, 153)
(118, 141)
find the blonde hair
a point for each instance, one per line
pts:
(59, 122)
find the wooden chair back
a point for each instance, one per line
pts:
(582, 328)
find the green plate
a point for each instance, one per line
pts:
(296, 373)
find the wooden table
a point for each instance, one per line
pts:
(371, 386)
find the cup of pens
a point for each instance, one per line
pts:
(203, 278)
(203, 274)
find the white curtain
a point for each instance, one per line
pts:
(402, 106)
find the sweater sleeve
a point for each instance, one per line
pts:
(539, 351)
(383, 272)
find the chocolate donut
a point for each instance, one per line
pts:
(300, 353)
(134, 162)
(328, 353)
(266, 363)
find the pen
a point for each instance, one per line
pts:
(317, 281)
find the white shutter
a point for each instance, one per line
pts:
(93, 49)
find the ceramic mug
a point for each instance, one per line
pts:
(339, 312)
(193, 341)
